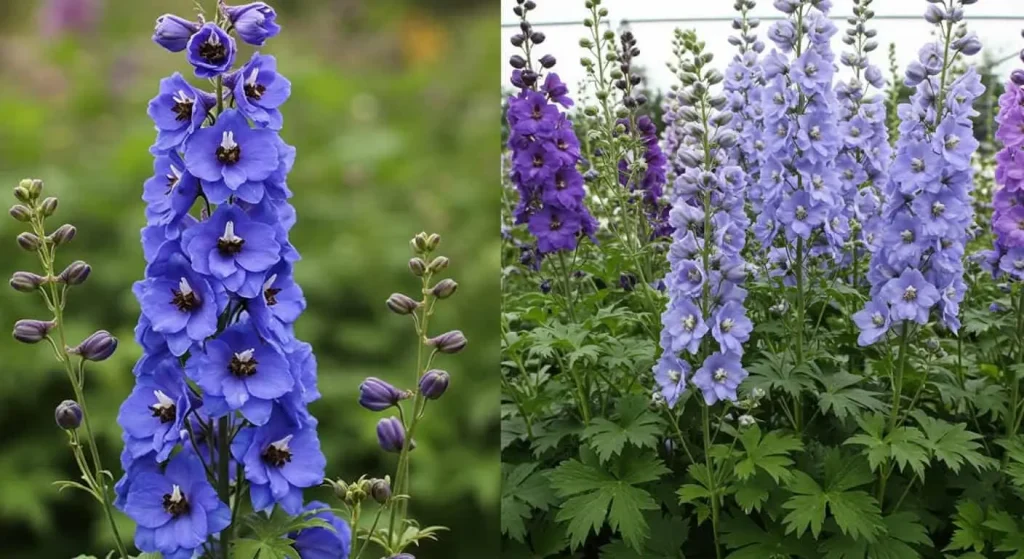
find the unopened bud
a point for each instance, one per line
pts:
(449, 342)
(68, 415)
(28, 241)
(380, 490)
(97, 347)
(746, 420)
(438, 264)
(49, 206)
(21, 213)
(417, 266)
(433, 241)
(26, 282)
(35, 188)
(31, 331)
(391, 435)
(63, 235)
(75, 274)
(419, 243)
(402, 304)
(445, 288)
(434, 383)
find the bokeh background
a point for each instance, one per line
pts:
(394, 117)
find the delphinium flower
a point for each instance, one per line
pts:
(799, 186)
(223, 384)
(743, 82)
(54, 288)
(1007, 259)
(395, 433)
(705, 320)
(863, 162)
(545, 150)
(918, 266)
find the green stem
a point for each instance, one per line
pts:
(897, 383)
(1012, 421)
(224, 476)
(800, 319)
(706, 424)
(369, 535)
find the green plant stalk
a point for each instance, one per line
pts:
(897, 391)
(800, 318)
(373, 528)
(224, 476)
(58, 301)
(1013, 423)
(566, 286)
(706, 424)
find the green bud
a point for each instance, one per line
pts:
(433, 241)
(48, 206)
(438, 264)
(417, 266)
(21, 213)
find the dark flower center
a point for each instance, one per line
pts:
(255, 90)
(175, 505)
(910, 294)
(277, 454)
(243, 364)
(270, 294)
(230, 246)
(229, 156)
(165, 413)
(185, 300)
(213, 52)
(538, 161)
(562, 145)
(555, 224)
(182, 110)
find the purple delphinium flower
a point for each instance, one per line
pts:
(178, 110)
(233, 248)
(280, 460)
(211, 51)
(153, 416)
(719, 377)
(254, 22)
(278, 305)
(232, 159)
(259, 91)
(177, 510)
(323, 543)
(173, 32)
(928, 209)
(731, 327)
(873, 321)
(1008, 205)
(169, 194)
(670, 378)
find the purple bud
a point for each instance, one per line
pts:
(934, 14)
(433, 240)
(417, 266)
(75, 274)
(434, 383)
(915, 74)
(28, 241)
(173, 32)
(1017, 76)
(378, 395)
(68, 415)
(547, 61)
(97, 347)
(438, 264)
(391, 435)
(449, 342)
(517, 62)
(48, 207)
(31, 331)
(969, 45)
(444, 288)
(63, 235)
(402, 304)
(21, 213)
(26, 282)
(380, 490)
(254, 22)
(419, 243)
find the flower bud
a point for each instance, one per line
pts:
(63, 235)
(547, 61)
(21, 193)
(75, 274)
(391, 435)
(380, 490)
(402, 304)
(97, 347)
(48, 207)
(438, 264)
(934, 14)
(68, 415)
(254, 22)
(417, 266)
(35, 188)
(173, 32)
(32, 331)
(26, 282)
(419, 243)
(433, 241)
(445, 288)
(434, 383)
(28, 241)
(21, 213)
(746, 420)
(449, 342)
(378, 395)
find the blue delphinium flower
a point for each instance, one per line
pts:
(221, 366)
(706, 266)
(743, 80)
(323, 543)
(1007, 258)
(177, 510)
(919, 264)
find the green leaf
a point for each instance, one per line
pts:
(549, 435)
(1007, 533)
(970, 530)
(953, 444)
(596, 494)
(262, 549)
(856, 512)
(776, 371)
(522, 490)
(842, 400)
(770, 454)
(751, 494)
(907, 446)
(633, 423)
(751, 541)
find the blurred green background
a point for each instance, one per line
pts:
(393, 115)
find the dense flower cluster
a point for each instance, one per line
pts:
(927, 211)
(651, 183)
(218, 300)
(798, 180)
(703, 284)
(545, 152)
(743, 81)
(863, 162)
(1007, 260)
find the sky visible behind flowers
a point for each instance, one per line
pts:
(1001, 38)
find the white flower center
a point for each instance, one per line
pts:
(182, 98)
(720, 375)
(184, 287)
(229, 233)
(270, 282)
(176, 496)
(674, 376)
(727, 325)
(282, 445)
(910, 293)
(245, 356)
(227, 140)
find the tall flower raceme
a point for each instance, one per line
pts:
(545, 150)
(743, 82)
(863, 162)
(919, 265)
(72, 415)
(219, 406)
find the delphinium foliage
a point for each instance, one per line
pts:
(838, 380)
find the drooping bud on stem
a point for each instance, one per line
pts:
(68, 415)
(48, 207)
(417, 266)
(63, 235)
(433, 241)
(31, 331)
(75, 274)
(438, 264)
(449, 342)
(26, 282)
(28, 241)
(445, 288)
(419, 243)
(380, 490)
(401, 304)
(434, 383)
(391, 435)
(97, 347)
(378, 395)
(21, 213)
